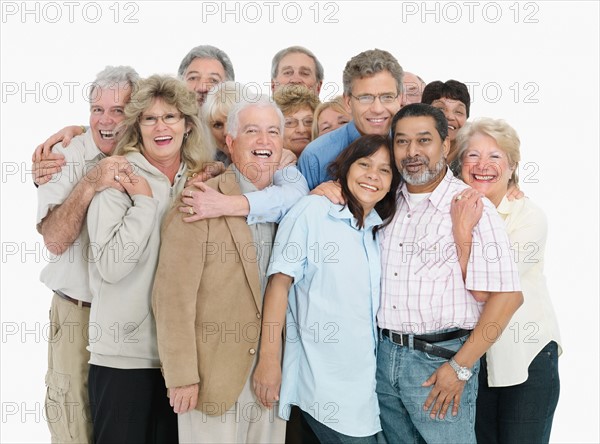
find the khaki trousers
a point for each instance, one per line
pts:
(246, 422)
(67, 405)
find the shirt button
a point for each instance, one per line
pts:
(252, 351)
(258, 315)
(395, 274)
(400, 244)
(394, 307)
(408, 215)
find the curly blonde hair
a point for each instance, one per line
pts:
(195, 151)
(291, 98)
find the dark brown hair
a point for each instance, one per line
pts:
(366, 146)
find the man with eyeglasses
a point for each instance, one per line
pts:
(62, 206)
(372, 91)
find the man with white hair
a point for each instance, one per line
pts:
(208, 293)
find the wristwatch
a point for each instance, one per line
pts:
(463, 373)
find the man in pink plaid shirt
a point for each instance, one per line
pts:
(442, 304)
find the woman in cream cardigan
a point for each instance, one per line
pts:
(162, 143)
(518, 383)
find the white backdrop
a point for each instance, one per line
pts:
(533, 63)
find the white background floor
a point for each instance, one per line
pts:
(534, 64)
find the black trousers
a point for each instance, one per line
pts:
(130, 406)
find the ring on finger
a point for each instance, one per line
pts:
(191, 211)
(117, 178)
(459, 197)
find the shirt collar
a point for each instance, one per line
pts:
(506, 206)
(343, 212)
(92, 152)
(443, 193)
(245, 185)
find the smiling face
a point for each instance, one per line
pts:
(374, 118)
(420, 153)
(256, 149)
(162, 143)
(296, 138)
(370, 178)
(106, 112)
(486, 167)
(330, 119)
(455, 112)
(297, 68)
(202, 75)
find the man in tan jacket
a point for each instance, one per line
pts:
(208, 295)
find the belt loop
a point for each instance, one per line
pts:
(80, 304)
(380, 334)
(411, 342)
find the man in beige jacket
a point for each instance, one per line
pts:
(208, 294)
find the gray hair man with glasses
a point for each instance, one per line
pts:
(372, 91)
(62, 206)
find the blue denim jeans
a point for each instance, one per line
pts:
(520, 413)
(400, 372)
(327, 435)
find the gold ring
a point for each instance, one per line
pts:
(117, 178)
(191, 211)
(190, 193)
(459, 197)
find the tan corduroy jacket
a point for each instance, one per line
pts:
(207, 303)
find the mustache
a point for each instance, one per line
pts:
(415, 159)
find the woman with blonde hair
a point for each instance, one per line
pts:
(330, 115)
(163, 144)
(518, 382)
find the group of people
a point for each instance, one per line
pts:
(213, 299)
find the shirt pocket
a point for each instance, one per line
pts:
(435, 256)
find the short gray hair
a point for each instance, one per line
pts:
(367, 64)
(207, 52)
(247, 101)
(114, 77)
(320, 72)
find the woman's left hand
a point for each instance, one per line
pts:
(133, 183)
(267, 381)
(466, 210)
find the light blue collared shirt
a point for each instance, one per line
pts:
(329, 360)
(319, 153)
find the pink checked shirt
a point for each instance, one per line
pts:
(422, 286)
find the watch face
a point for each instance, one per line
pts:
(464, 374)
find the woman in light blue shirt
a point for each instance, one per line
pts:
(327, 256)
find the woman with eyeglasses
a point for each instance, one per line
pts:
(161, 140)
(324, 287)
(298, 104)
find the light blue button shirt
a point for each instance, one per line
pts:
(319, 153)
(329, 360)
